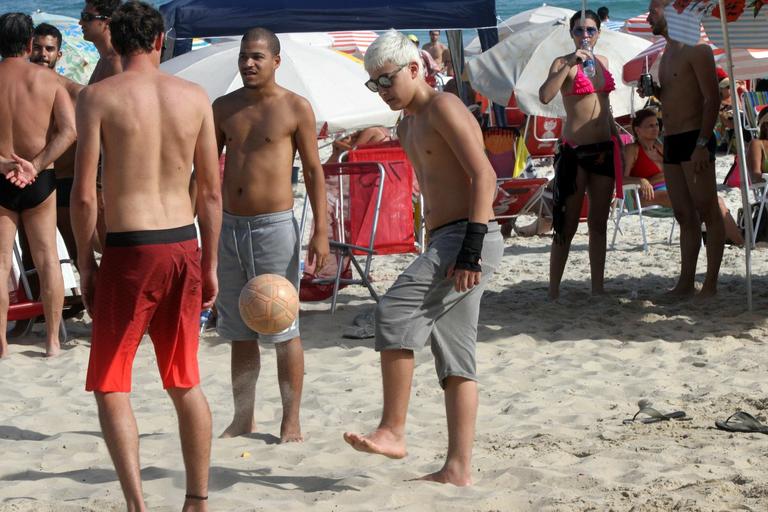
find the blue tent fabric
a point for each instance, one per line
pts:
(212, 18)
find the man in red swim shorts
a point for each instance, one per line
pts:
(150, 128)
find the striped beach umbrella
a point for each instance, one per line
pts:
(353, 42)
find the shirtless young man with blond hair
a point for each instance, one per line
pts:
(262, 126)
(437, 298)
(36, 126)
(153, 277)
(690, 98)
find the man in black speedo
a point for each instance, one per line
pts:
(36, 126)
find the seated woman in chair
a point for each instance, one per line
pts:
(643, 167)
(757, 152)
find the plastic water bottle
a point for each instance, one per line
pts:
(205, 315)
(589, 65)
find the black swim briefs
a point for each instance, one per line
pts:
(19, 199)
(63, 191)
(679, 147)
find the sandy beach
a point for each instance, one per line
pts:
(556, 381)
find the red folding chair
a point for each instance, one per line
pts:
(354, 192)
(541, 135)
(500, 148)
(520, 197)
(514, 117)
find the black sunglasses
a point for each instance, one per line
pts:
(579, 31)
(384, 81)
(87, 16)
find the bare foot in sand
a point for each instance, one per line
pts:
(681, 292)
(449, 476)
(239, 428)
(52, 349)
(381, 442)
(290, 432)
(195, 505)
(4, 352)
(706, 293)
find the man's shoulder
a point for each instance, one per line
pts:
(183, 86)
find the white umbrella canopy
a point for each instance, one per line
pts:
(331, 81)
(521, 64)
(545, 14)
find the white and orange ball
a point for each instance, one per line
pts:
(269, 304)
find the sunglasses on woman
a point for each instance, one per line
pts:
(384, 81)
(579, 31)
(87, 16)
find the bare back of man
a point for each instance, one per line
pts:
(147, 124)
(36, 125)
(150, 129)
(690, 99)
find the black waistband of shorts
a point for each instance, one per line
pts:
(151, 236)
(447, 224)
(691, 134)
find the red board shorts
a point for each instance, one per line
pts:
(148, 280)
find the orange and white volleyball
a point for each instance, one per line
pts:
(269, 304)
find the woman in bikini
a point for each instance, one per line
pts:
(643, 167)
(587, 153)
(757, 152)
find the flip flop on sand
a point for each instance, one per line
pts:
(742, 422)
(653, 416)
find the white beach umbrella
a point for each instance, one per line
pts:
(333, 82)
(521, 64)
(546, 14)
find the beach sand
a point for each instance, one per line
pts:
(556, 381)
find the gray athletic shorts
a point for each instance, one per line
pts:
(423, 304)
(248, 247)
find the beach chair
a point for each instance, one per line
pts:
(515, 197)
(354, 191)
(392, 151)
(754, 102)
(631, 204)
(500, 147)
(513, 116)
(22, 304)
(541, 135)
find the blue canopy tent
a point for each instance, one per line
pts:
(185, 19)
(212, 18)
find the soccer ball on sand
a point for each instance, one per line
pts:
(269, 304)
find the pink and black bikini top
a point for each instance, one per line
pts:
(583, 85)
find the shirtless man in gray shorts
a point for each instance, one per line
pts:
(437, 298)
(262, 126)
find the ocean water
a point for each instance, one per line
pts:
(619, 9)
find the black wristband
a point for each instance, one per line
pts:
(471, 247)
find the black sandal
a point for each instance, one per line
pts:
(195, 497)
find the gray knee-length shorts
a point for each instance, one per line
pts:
(248, 247)
(423, 305)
